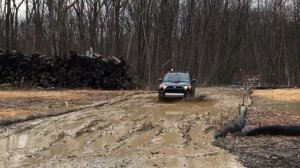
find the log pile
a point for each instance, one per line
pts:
(72, 72)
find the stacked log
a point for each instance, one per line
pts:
(61, 72)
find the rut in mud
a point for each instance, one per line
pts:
(137, 131)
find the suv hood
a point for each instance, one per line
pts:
(176, 84)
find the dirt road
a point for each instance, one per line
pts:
(135, 132)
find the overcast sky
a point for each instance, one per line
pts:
(21, 9)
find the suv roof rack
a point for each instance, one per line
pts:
(178, 71)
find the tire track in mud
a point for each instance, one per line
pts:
(186, 126)
(174, 130)
(122, 140)
(62, 111)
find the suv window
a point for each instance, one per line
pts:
(177, 77)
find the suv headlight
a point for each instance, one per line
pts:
(162, 86)
(187, 87)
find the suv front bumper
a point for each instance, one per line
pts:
(174, 94)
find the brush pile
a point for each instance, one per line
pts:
(75, 71)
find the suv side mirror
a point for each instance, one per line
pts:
(194, 80)
(160, 79)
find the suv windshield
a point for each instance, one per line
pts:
(177, 77)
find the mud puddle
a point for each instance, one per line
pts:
(139, 132)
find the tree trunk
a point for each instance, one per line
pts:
(7, 24)
(117, 5)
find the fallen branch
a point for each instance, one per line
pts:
(240, 122)
(234, 126)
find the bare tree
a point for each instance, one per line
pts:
(16, 24)
(7, 24)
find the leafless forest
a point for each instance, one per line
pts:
(216, 40)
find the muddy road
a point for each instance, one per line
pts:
(135, 132)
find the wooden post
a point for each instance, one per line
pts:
(221, 119)
(22, 81)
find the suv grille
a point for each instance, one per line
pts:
(174, 89)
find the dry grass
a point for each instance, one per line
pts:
(288, 95)
(22, 102)
(59, 95)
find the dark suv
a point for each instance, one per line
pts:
(177, 84)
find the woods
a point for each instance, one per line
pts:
(216, 40)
